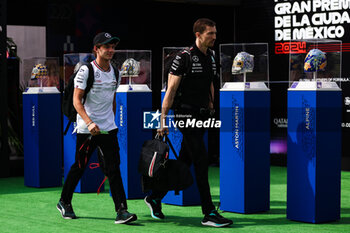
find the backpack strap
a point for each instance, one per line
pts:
(90, 81)
(67, 127)
(117, 76)
(89, 84)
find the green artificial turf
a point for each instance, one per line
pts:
(24, 209)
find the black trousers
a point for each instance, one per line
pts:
(109, 162)
(193, 151)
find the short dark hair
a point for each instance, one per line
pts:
(201, 24)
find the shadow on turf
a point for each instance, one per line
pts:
(174, 220)
(276, 207)
(238, 222)
(280, 208)
(183, 221)
(136, 223)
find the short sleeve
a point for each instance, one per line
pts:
(179, 65)
(81, 78)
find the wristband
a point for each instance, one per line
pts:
(89, 124)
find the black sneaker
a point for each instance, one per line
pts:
(214, 219)
(155, 206)
(124, 216)
(66, 210)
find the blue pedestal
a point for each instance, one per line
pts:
(245, 151)
(189, 196)
(42, 138)
(314, 155)
(92, 178)
(129, 118)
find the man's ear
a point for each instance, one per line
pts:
(95, 48)
(197, 34)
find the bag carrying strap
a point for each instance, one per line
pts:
(167, 140)
(171, 146)
(177, 192)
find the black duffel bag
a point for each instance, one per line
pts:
(154, 156)
(158, 171)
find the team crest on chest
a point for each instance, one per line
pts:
(97, 75)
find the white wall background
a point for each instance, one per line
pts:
(31, 42)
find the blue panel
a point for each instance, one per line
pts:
(122, 123)
(131, 136)
(42, 140)
(244, 151)
(91, 179)
(257, 151)
(136, 137)
(232, 151)
(31, 140)
(301, 163)
(328, 156)
(314, 153)
(50, 125)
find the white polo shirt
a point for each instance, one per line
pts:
(99, 100)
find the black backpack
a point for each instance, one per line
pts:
(67, 100)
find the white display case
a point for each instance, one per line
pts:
(41, 74)
(316, 65)
(244, 66)
(135, 68)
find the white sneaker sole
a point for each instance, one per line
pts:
(150, 207)
(132, 218)
(213, 224)
(62, 213)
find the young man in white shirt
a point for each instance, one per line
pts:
(96, 115)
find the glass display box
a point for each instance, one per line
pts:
(245, 128)
(244, 65)
(135, 68)
(41, 73)
(42, 123)
(316, 64)
(70, 62)
(169, 54)
(314, 131)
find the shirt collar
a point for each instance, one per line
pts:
(199, 51)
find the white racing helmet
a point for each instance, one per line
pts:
(243, 62)
(130, 67)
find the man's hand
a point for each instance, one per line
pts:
(94, 129)
(162, 131)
